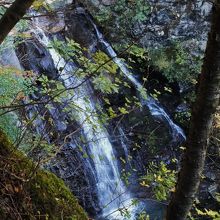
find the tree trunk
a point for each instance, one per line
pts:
(201, 122)
(12, 15)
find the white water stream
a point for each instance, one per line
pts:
(112, 192)
(154, 107)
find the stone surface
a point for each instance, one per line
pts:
(33, 56)
(168, 20)
(177, 20)
(108, 2)
(52, 23)
(8, 58)
(79, 28)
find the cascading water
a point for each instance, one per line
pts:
(112, 192)
(154, 107)
(124, 146)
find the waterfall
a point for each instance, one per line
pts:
(123, 139)
(111, 190)
(153, 105)
(112, 193)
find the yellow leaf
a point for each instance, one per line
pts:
(143, 183)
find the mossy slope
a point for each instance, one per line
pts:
(27, 192)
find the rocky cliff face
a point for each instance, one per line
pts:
(166, 20)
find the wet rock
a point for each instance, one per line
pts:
(72, 168)
(33, 56)
(183, 107)
(108, 2)
(8, 57)
(213, 189)
(53, 23)
(211, 176)
(79, 28)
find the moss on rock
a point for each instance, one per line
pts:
(27, 192)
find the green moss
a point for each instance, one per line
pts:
(56, 198)
(4, 145)
(37, 194)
